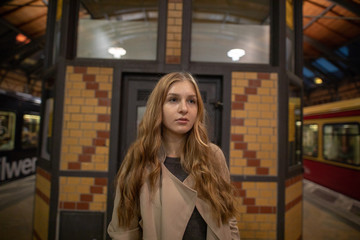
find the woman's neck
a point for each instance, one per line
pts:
(173, 145)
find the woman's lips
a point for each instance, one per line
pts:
(182, 120)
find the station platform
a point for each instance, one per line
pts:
(326, 215)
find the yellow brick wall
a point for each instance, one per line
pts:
(257, 203)
(253, 150)
(86, 125)
(293, 208)
(41, 204)
(253, 146)
(83, 193)
(174, 31)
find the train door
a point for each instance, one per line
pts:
(136, 90)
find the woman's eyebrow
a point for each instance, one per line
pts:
(176, 94)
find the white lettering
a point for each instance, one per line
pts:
(26, 166)
(14, 169)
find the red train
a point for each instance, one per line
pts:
(331, 146)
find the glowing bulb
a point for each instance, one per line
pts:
(318, 80)
(22, 38)
(236, 53)
(117, 52)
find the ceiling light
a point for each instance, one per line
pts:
(117, 52)
(21, 38)
(236, 53)
(318, 80)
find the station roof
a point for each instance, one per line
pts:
(331, 39)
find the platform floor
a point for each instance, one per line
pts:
(327, 214)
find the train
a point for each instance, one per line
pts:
(19, 135)
(331, 146)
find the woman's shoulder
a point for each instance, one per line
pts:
(219, 160)
(216, 151)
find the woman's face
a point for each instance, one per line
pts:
(180, 109)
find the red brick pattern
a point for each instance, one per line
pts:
(293, 203)
(253, 151)
(293, 207)
(87, 114)
(41, 203)
(83, 193)
(257, 203)
(43, 173)
(253, 124)
(42, 189)
(293, 191)
(293, 180)
(250, 202)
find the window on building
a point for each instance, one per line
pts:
(7, 130)
(231, 31)
(342, 143)
(118, 29)
(310, 140)
(30, 131)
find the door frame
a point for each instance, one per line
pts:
(122, 148)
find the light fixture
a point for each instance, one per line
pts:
(21, 38)
(117, 52)
(318, 80)
(235, 54)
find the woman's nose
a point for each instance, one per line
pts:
(183, 107)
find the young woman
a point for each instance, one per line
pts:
(173, 183)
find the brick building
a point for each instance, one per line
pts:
(97, 101)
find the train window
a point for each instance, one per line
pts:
(310, 140)
(7, 130)
(30, 131)
(341, 143)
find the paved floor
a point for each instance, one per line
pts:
(327, 214)
(16, 209)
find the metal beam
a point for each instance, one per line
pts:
(319, 16)
(348, 5)
(18, 6)
(15, 29)
(329, 54)
(333, 17)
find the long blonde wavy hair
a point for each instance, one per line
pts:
(142, 159)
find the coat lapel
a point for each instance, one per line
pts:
(214, 230)
(178, 203)
(179, 199)
(221, 231)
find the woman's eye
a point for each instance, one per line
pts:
(192, 101)
(172, 99)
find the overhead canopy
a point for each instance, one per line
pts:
(331, 41)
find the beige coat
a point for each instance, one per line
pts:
(166, 215)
